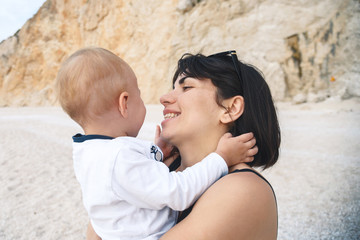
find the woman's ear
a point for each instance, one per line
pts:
(234, 109)
(123, 104)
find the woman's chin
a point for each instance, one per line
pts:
(169, 137)
(164, 135)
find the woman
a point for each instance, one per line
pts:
(211, 96)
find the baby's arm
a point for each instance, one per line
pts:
(233, 150)
(147, 183)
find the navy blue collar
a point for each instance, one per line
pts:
(82, 138)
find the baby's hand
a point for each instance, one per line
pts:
(165, 147)
(238, 149)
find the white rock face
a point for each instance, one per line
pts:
(304, 48)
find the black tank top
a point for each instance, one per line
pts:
(186, 212)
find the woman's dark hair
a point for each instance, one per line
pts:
(259, 114)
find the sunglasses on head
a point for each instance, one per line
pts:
(235, 61)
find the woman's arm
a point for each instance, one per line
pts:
(91, 234)
(238, 206)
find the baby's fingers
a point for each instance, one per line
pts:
(253, 151)
(251, 143)
(249, 159)
(227, 135)
(245, 137)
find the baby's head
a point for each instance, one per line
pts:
(90, 82)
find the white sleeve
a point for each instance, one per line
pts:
(147, 183)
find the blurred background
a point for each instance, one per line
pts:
(308, 50)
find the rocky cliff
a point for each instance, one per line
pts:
(308, 50)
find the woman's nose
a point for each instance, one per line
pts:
(167, 98)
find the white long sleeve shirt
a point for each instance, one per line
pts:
(128, 193)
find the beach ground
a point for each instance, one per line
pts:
(316, 179)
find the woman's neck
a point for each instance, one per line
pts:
(194, 151)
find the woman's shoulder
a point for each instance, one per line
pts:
(243, 202)
(244, 184)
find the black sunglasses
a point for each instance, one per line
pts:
(235, 61)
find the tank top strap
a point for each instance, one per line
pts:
(175, 164)
(253, 171)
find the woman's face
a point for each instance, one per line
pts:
(191, 112)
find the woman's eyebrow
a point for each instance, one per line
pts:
(182, 80)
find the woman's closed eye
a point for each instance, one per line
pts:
(185, 88)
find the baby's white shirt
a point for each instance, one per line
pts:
(128, 194)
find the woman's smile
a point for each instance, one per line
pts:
(171, 115)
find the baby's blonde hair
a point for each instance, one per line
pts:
(89, 83)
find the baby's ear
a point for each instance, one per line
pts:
(234, 109)
(123, 104)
